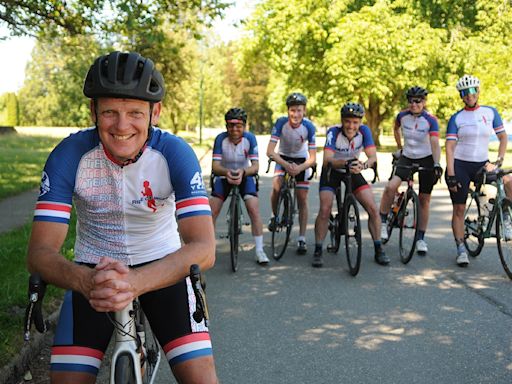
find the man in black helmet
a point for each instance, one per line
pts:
(236, 162)
(343, 146)
(296, 155)
(137, 190)
(420, 132)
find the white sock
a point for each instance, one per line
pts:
(258, 240)
(301, 238)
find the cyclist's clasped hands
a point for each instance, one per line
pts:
(111, 288)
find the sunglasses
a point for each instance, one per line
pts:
(469, 91)
(415, 101)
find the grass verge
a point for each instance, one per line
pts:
(22, 160)
(14, 284)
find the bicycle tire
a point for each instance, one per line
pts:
(283, 222)
(504, 244)
(124, 370)
(335, 227)
(234, 232)
(352, 225)
(473, 237)
(408, 222)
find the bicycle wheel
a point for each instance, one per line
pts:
(352, 226)
(473, 237)
(125, 372)
(408, 222)
(504, 244)
(234, 232)
(283, 221)
(151, 358)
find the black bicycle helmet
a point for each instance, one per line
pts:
(416, 91)
(352, 110)
(236, 115)
(124, 75)
(296, 99)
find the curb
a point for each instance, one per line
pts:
(14, 371)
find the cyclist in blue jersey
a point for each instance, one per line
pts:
(296, 155)
(235, 162)
(139, 198)
(467, 151)
(420, 133)
(344, 143)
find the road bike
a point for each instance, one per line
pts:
(480, 216)
(286, 207)
(234, 219)
(136, 353)
(404, 213)
(344, 220)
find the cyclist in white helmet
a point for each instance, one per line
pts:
(467, 151)
(420, 133)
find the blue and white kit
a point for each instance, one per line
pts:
(294, 142)
(416, 131)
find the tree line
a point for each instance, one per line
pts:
(368, 51)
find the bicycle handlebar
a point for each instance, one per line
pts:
(34, 311)
(346, 169)
(313, 168)
(198, 286)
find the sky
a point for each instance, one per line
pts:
(18, 49)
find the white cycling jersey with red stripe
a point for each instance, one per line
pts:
(294, 142)
(417, 130)
(471, 128)
(125, 212)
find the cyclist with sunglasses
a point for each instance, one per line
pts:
(420, 133)
(235, 162)
(467, 151)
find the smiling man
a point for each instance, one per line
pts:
(139, 197)
(343, 146)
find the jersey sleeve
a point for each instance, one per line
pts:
(187, 180)
(330, 139)
(276, 130)
(434, 125)
(217, 147)
(452, 129)
(497, 123)
(311, 135)
(367, 137)
(253, 147)
(58, 179)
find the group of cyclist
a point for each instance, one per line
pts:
(416, 132)
(144, 217)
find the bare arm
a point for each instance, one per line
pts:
(198, 248)
(44, 257)
(502, 149)
(436, 148)
(398, 136)
(450, 150)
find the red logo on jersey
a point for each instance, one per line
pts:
(148, 194)
(352, 146)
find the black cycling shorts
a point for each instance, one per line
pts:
(426, 178)
(82, 334)
(331, 183)
(465, 172)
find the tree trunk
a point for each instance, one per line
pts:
(374, 118)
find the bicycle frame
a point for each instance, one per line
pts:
(130, 336)
(130, 329)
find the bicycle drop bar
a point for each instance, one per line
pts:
(313, 168)
(34, 312)
(198, 286)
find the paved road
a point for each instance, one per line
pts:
(427, 322)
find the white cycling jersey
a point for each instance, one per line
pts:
(294, 142)
(124, 212)
(471, 128)
(416, 131)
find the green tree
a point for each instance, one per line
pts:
(12, 112)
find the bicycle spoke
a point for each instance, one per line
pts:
(408, 222)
